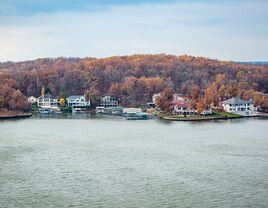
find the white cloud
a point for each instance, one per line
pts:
(211, 30)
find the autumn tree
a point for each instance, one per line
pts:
(12, 99)
(194, 97)
(62, 102)
(200, 106)
(87, 95)
(258, 98)
(164, 102)
(94, 97)
(222, 92)
(135, 78)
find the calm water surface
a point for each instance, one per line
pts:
(82, 161)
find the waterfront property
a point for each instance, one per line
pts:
(155, 96)
(132, 110)
(238, 106)
(32, 99)
(118, 111)
(46, 101)
(48, 104)
(109, 105)
(78, 101)
(49, 110)
(108, 101)
(136, 116)
(182, 107)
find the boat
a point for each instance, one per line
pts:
(56, 111)
(49, 110)
(44, 111)
(100, 109)
(78, 110)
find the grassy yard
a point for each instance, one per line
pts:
(225, 115)
(216, 115)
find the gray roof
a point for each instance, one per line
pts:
(74, 97)
(236, 101)
(48, 96)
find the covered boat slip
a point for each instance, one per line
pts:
(128, 113)
(49, 110)
(136, 116)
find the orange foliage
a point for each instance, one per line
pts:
(133, 79)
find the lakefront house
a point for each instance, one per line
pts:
(238, 106)
(108, 105)
(32, 99)
(108, 101)
(182, 106)
(47, 101)
(155, 96)
(78, 101)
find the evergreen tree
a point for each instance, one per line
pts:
(62, 91)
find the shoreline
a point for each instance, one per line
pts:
(15, 116)
(211, 118)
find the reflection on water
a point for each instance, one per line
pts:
(87, 160)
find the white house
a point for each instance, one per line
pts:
(77, 101)
(108, 101)
(47, 101)
(155, 96)
(32, 99)
(182, 106)
(238, 106)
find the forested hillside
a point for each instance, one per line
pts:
(135, 78)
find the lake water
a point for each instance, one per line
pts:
(85, 161)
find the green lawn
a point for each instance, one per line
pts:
(215, 115)
(225, 114)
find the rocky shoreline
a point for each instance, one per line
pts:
(14, 115)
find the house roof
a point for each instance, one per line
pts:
(181, 104)
(180, 97)
(48, 96)
(236, 101)
(74, 97)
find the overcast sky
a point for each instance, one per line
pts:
(228, 30)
